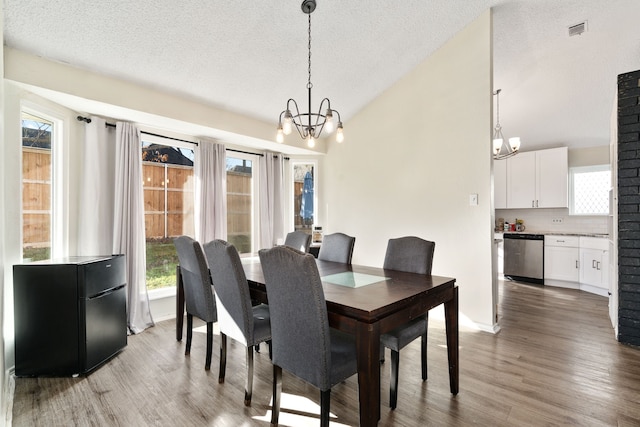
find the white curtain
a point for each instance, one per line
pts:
(271, 199)
(95, 224)
(128, 227)
(211, 191)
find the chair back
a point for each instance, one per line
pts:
(298, 240)
(233, 301)
(300, 332)
(410, 254)
(337, 247)
(198, 293)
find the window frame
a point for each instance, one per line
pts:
(59, 229)
(168, 290)
(291, 217)
(255, 194)
(585, 169)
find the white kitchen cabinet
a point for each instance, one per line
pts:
(562, 259)
(538, 179)
(594, 264)
(552, 178)
(500, 184)
(521, 180)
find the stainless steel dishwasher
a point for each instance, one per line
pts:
(524, 257)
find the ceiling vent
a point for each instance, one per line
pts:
(576, 30)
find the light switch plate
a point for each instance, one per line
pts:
(473, 200)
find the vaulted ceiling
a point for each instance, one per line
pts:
(251, 56)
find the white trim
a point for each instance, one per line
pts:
(290, 196)
(594, 290)
(9, 389)
(59, 175)
(255, 194)
(164, 292)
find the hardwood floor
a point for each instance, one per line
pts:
(554, 362)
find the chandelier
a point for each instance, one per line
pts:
(309, 125)
(502, 150)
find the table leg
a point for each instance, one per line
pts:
(368, 343)
(451, 322)
(179, 304)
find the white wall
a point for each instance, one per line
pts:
(93, 93)
(5, 391)
(410, 160)
(589, 156)
(71, 146)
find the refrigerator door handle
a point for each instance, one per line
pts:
(105, 292)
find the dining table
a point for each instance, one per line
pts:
(366, 302)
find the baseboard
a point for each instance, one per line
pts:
(9, 388)
(561, 284)
(492, 329)
(594, 290)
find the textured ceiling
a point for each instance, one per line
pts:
(250, 56)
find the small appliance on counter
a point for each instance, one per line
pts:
(516, 226)
(316, 236)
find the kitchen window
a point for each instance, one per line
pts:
(589, 190)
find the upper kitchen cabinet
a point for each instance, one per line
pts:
(538, 179)
(500, 184)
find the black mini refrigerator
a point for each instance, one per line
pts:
(69, 313)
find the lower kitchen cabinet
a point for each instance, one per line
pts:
(577, 263)
(594, 265)
(561, 258)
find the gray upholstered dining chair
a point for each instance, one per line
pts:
(298, 240)
(413, 255)
(337, 247)
(237, 318)
(303, 343)
(198, 292)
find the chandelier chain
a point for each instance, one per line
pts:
(498, 108)
(309, 84)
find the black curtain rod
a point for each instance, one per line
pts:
(88, 120)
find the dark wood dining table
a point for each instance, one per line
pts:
(384, 300)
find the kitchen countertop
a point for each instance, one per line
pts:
(554, 233)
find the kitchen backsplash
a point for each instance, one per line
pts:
(555, 220)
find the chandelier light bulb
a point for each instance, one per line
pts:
(497, 144)
(280, 135)
(311, 142)
(288, 121)
(339, 133)
(329, 123)
(514, 143)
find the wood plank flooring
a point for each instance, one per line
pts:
(554, 362)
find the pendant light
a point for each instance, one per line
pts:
(309, 125)
(502, 150)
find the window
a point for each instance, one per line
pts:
(589, 186)
(304, 213)
(168, 184)
(241, 206)
(37, 194)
